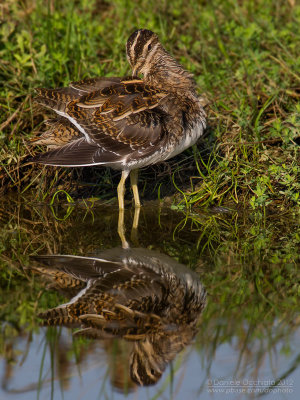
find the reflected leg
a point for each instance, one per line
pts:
(121, 229)
(134, 230)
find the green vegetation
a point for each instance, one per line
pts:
(246, 255)
(248, 263)
(245, 59)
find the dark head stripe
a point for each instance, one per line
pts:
(136, 44)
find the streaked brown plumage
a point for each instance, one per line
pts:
(60, 132)
(125, 123)
(135, 294)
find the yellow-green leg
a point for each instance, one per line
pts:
(134, 181)
(121, 189)
(121, 192)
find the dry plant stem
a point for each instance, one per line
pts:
(13, 116)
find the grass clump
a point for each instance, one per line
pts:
(245, 60)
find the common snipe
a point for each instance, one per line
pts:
(139, 295)
(125, 123)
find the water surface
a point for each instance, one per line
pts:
(247, 339)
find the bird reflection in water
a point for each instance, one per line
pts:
(139, 295)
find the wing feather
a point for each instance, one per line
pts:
(79, 153)
(59, 133)
(119, 118)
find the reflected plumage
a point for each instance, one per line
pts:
(124, 123)
(135, 294)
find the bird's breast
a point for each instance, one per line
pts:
(188, 138)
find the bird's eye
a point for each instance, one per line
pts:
(149, 47)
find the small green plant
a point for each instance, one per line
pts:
(246, 64)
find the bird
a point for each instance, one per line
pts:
(125, 123)
(135, 294)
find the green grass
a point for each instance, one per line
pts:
(247, 262)
(245, 59)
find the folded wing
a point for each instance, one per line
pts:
(110, 121)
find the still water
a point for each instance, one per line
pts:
(197, 306)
